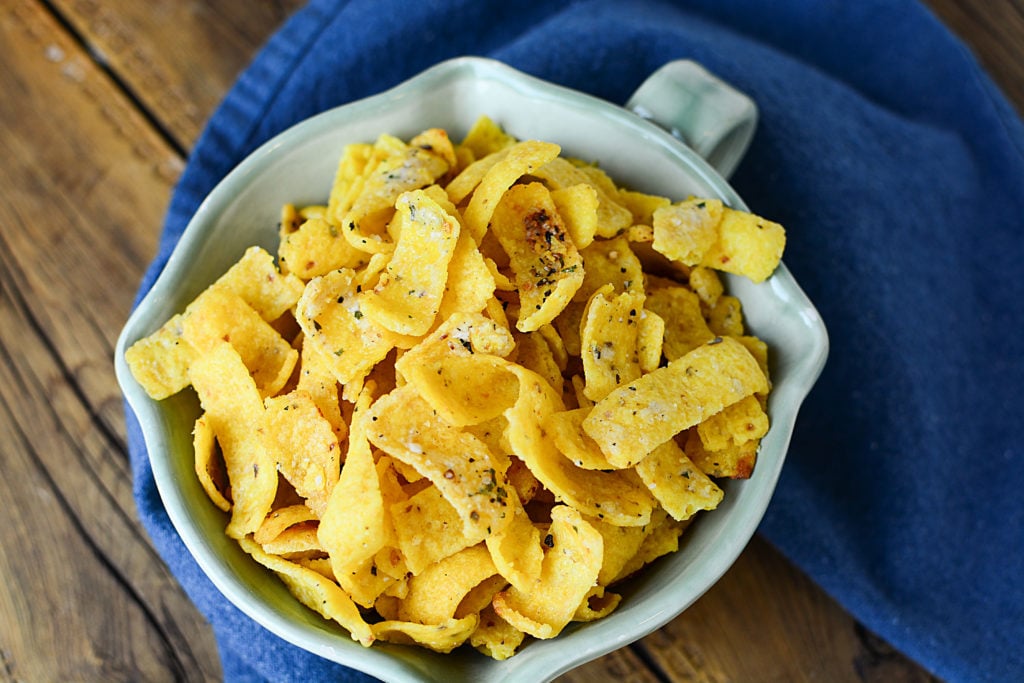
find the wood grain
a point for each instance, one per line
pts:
(175, 58)
(102, 102)
(82, 170)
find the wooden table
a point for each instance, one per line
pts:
(100, 104)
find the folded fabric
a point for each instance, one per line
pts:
(897, 168)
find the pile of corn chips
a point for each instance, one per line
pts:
(475, 390)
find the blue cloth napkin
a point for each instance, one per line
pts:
(898, 169)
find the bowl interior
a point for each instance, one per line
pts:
(298, 166)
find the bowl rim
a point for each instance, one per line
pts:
(150, 312)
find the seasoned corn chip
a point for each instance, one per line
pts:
(486, 137)
(435, 594)
(408, 293)
(737, 424)
(569, 570)
(219, 316)
(160, 361)
(685, 327)
(522, 158)
(680, 487)
(685, 232)
(495, 637)
(634, 419)
(610, 342)
(547, 266)
(209, 467)
(612, 217)
(577, 205)
(461, 466)
(314, 591)
(438, 637)
(618, 497)
(429, 529)
(746, 245)
(234, 411)
(304, 445)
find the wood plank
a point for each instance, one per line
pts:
(621, 666)
(177, 58)
(85, 182)
(85, 595)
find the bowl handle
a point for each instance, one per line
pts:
(707, 114)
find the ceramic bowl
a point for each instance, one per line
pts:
(298, 166)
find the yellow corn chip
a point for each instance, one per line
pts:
(620, 543)
(685, 232)
(737, 424)
(642, 206)
(612, 217)
(566, 430)
(469, 177)
(610, 262)
(597, 604)
(678, 484)
(461, 466)
(661, 538)
(522, 158)
(610, 336)
(317, 247)
(234, 411)
(281, 519)
(348, 179)
(333, 323)
(435, 594)
(487, 137)
(725, 317)
(734, 461)
(315, 591)
(516, 550)
(429, 529)
(304, 445)
(746, 245)
(570, 568)
(296, 542)
(706, 285)
(411, 169)
(534, 352)
(436, 141)
(577, 205)
(480, 596)
(209, 466)
(258, 282)
(471, 282)
(160, 361)
(618, 497)
(685, 327)
(495, 637)
(353, 524)
(546, 265)
(634, 419)
(408, 293)
(438, 637)
(218, 316)
(318, 382)
(650, 340)
(459, 371)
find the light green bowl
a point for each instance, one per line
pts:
(298, 166)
